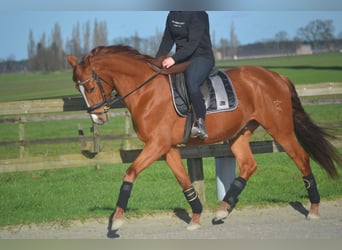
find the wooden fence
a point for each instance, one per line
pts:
(22, 120)
(77, 103)
(45, 110)
(195, 154)
(31, 111)
(22, 112)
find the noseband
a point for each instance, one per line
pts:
(108, 102)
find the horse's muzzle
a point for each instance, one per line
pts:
(100, 118)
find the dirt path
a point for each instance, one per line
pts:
(286, 222)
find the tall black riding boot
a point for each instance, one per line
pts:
(198, 129)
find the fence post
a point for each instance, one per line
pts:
(96, 138)
(225, 175)
(96, 142)
(195, 171)
(127, 144)
(82, 139)
(22, 121)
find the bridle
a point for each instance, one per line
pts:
(107, 103)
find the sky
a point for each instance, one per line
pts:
(251, 25)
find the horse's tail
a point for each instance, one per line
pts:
(313, 138)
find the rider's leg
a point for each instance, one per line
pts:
(195, 75)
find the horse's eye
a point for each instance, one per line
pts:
(92, 89)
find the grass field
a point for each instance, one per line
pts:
(300, 69)
(324, 114)
(80, 193)
(315, 68)
(28, 86)
(60, 195)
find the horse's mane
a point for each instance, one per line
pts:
(154, 63)
(117, 49)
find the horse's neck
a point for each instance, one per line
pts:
(126, 74)
(132, 80)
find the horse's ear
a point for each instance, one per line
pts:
(72, 60)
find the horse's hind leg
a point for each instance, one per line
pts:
(174, 161)
(302, 161)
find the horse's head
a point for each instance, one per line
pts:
(96, 95)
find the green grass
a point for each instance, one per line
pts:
(324, 114)
(80, 193)
(28, 86)
(316, 68)
(314, 61)
(58, 129)
(329, 113)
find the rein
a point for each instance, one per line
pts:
(119, 98)
(116, 98)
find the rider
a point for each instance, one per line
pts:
(189, 30)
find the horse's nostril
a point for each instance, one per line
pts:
(100, 121)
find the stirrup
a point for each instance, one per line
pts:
(198, 129)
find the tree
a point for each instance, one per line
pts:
(281, 36)
(37, 53)
(234, 43)
(100, 34)
(56, 48)
(76, 47)
(154, 42)
(41, 57)
(31, 50)
(86, 37)
(317, 32)
(339, 36)
(10, 64)
(213, 42)
(137, 41)
(224, 44)
(282, 39)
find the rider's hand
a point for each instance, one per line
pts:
(168, 62)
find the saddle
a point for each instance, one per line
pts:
(217, 91)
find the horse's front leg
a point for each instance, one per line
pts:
(173, 159)
(247, 166)
(150, 153)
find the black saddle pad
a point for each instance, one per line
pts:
(217, 90)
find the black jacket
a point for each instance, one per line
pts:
(189, 30)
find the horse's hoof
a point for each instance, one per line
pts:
(221, 215)
(193, 226)
(312, 216)
(117, 224)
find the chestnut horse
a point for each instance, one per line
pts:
(265, 98)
